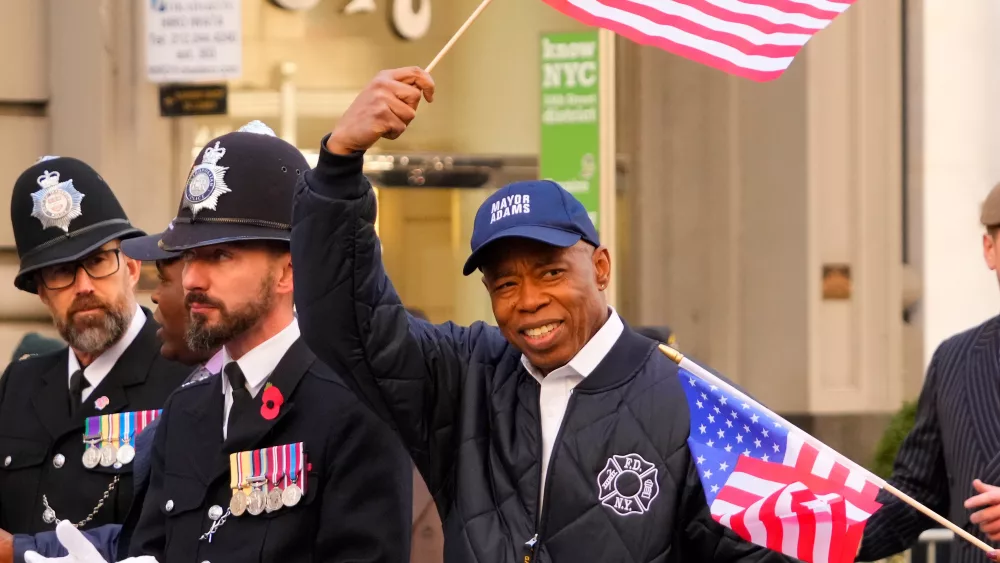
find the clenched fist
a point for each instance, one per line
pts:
(383, 109)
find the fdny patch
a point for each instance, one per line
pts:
(206, 182)
(627, 484)
(57, 203)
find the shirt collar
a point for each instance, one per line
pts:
(587, 359)
(214, 364)
(257, 364)
(101, 366)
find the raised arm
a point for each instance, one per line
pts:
(408, 370)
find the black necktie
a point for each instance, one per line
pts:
(77, 383)
(241, 395)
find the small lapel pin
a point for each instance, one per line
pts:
(99, 404)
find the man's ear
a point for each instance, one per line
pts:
(989, 251)
(134, 268)
(602, 266)
(286, 281)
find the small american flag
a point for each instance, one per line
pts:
(768, 482)
(755, 39)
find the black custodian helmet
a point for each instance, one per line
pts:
(61, 210)
(240, 189)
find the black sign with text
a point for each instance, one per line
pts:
(178, 100)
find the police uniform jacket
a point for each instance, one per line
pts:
(41, 445)
(468, 409)
(357, 500)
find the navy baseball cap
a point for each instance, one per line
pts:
(538, 210)
(147, 248)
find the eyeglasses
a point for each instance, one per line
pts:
(98, 265)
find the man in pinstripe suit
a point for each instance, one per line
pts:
(953, 451)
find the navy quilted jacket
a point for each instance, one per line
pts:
(621, 484)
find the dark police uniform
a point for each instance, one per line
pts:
(62, 211)
(356, 503)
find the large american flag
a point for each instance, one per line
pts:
(769, 483)
(755, 39)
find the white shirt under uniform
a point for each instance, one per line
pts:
(101, 366)
(257, 365)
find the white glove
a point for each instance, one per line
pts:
(80, 549)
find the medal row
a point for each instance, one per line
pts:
(109, 438)
(267, 479)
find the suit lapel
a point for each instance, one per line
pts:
(130, 369)
(982, 394)
(204, 432)
(51, 398)
(249, 430)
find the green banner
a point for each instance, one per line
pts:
(570, 145)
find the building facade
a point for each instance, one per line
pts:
(814, 238)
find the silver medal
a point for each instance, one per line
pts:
(126, 454)
(109, 454)
(257, 502)
(291, 495)
(91, 457)
(274, 500)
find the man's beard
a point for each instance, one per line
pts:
(202, 337)
(94, 335)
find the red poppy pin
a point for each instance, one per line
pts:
(272, 400)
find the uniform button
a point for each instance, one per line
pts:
(6, 461)
(58, 461)
(215, 512)
(169, 506)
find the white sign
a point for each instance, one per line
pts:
(408, 23)
(193, 40)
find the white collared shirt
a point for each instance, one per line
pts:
(101, 366)
(558, 385)
(257, 365)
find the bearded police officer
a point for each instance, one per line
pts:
(276, 460)
(68, 419)
(515, 428)
(171, 315)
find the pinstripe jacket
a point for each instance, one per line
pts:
(956, 438)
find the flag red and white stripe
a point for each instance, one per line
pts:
(809, 506)
(755, 39)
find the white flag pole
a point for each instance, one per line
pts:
(454, 38)
(710, 377)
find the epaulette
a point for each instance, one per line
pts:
(199, 375)
(39, 355)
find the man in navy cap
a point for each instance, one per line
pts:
(68, 419)
(559, 435)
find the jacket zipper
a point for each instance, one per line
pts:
(543, 495)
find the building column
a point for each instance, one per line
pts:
(954, 149)
(741, 194)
